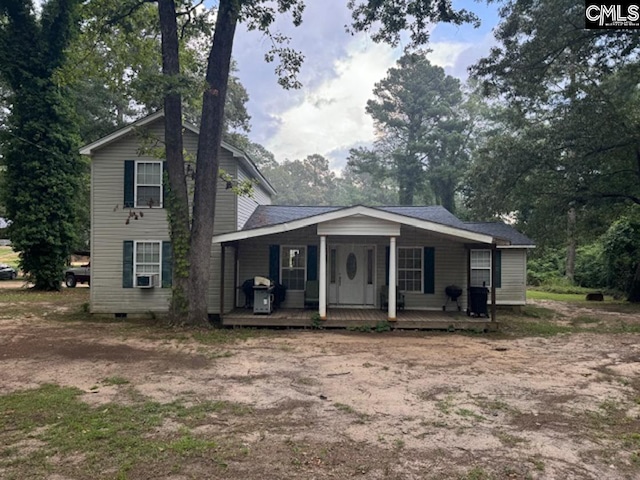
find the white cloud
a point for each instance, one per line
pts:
(332, 116)
(445, 54)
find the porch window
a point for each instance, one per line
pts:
(148, 189)
(481, 268)
(293, 267)
(147, 258)
(410, 269)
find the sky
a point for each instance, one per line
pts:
(327, 116)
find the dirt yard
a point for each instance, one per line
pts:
(318, 404)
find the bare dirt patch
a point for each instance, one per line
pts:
(401, 405)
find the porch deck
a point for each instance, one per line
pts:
(355, 317)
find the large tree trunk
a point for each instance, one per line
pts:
(177, 199)
(634, 291)
(207, 163)
(571, 245)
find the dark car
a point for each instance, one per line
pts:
(75, 275)
(7, 272)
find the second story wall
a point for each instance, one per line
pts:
(245, 204)
(109, 214)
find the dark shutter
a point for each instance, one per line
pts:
(127, 264)
(312, 262)
(498, 267)
(129, 183)
(274, 263)
(167, 264)
(165, 184)
(386, 266)
(429, 270)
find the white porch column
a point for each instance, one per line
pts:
(322, 300)
(392, 279)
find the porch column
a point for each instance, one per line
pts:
(494, 279)
(392, 279)
(223, 254)
(322, 300)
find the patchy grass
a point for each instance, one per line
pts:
(476, 473)
(532, 322)
(218, 336)
(110, 440)
(28, 303)
(536, 321)
(110, 381)
(610, 304)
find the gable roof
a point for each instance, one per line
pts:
(238, 153)
(268, 219)
(271, 219)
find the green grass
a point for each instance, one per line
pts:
(110, 439)
(561, 297)
(8, 256)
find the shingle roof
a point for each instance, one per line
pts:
(501, 230)
(268, 215)
(433, 213)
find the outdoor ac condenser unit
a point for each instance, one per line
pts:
(147, 280)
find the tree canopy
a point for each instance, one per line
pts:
(40, 141)
(422, 132)
(561, 144)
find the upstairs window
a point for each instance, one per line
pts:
(148, 184)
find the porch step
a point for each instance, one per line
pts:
(357, 319)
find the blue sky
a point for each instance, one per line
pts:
(327, 115)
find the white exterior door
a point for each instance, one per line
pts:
(351, 270)
(350, 279)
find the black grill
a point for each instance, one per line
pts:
(453, 293)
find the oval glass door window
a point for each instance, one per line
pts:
(352, 266)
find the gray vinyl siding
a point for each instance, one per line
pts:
(450, 268)
(514, 273)
(450, 262)
(108, 228)
(246, 204)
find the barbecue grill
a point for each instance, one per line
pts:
(262, 295)
(453, 293)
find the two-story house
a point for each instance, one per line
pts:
(356, 257)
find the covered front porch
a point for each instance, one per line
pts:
(364, 265)
(359, 317)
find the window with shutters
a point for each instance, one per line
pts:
(148, 186)
(293, 267)
(147, 258)
(481, 268)
(410, 269)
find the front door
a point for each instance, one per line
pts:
(350, 278)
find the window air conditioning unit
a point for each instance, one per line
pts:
(147, 280)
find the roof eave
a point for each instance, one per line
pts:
(237, 153)
(348, 211)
